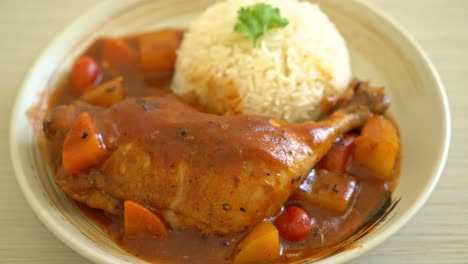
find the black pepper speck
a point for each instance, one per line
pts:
(335, 190)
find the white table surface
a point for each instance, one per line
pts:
(438, 233)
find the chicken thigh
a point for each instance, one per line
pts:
(218, 174)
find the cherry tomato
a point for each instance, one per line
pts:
(293, 224)
(86, 72)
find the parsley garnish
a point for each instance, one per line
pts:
(255, 20)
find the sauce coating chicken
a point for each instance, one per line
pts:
(218, 174)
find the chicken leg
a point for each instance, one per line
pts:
(219, 174)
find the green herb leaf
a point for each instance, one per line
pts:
(255, 20)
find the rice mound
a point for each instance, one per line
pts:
(284, 77)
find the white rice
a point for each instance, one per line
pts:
(284, 77)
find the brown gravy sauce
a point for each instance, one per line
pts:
(191, 246)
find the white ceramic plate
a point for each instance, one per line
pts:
(380, 51)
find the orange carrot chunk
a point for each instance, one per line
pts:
(336, 159)
(139, 220)
(158, 50)
(106, 94)
(83, 146)
(118, 54)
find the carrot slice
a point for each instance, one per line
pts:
(337, 158)
(118, 53)
(158, 50)
(261, 245)
(106, 94)
(83, 146)
(139, 220)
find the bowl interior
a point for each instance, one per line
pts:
(380, 52)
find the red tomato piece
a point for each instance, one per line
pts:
(86, 72)
(293, 224)
(337, 158)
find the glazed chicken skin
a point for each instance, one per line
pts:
(218, 174)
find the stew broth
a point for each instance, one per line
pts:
(191, 246)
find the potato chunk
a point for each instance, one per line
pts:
(376, 150)
(261, 245)
(329, 190)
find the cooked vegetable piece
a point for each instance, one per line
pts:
(85, 73)
(261, 245)
(294, 223)
(83, 146)
(158, 50)
(337, 158)
(106, 94)
(329, 190)
(118, 53)
(140, 221)
(376, 149)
